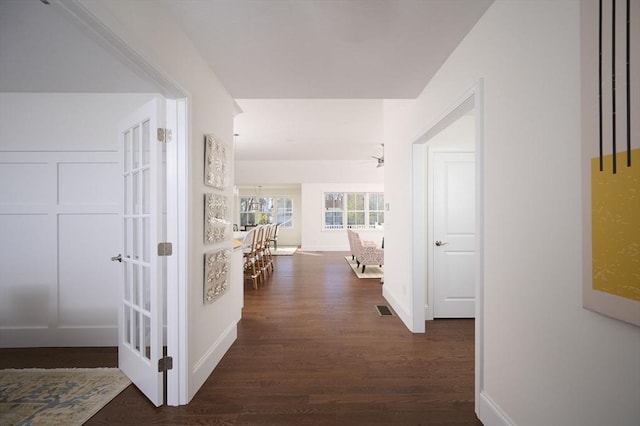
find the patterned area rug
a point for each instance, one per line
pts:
(371, 271)
(63, 396)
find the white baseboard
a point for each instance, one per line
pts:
(490, 414)
(398, 308)
(205, 365)
(33, 337)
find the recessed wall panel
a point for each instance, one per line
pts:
(461, 198)
(24, 183)
(88, 183)
(460, 267)
(89, 280)
(27, 268)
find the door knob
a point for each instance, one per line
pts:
(440, 243)
(117, 258)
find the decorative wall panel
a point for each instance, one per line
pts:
(216, 168)
(89, 183)
(216, 274)
(34, 179)
(217, 226)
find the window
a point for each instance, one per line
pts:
(333, 210)
(362, 210)
(355, 210)
(264, 210)
(376, 208)
(284, 211)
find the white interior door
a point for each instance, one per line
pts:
(141, 306)
(454, 240)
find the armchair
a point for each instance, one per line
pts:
(366, 252)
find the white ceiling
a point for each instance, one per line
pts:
(308, 74)
(319, 129)
(330, 49)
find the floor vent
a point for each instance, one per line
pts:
(384, 310)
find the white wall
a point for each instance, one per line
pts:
(59, 205)
(314, 238)
(297, 172)
(64, 121)
(149, 30)
(547, 360)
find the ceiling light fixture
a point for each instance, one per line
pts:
(381, 158)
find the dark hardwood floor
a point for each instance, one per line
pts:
(311, 350)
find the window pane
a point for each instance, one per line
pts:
(376, 218)
(333, 206)
(355, 219)
(333, 200)
(146, 191)
(127, 324)
(146, 139)
(244, 204)
(264, 205)
(247, 219)
(355, 201)
(146, 330)
(263, 218)
(376, 201)
(283, 212)
(136, 147)
(333, 220)
(284, 218)
(135, 193)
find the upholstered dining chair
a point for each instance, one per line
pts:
(250, 255)
(274, 235)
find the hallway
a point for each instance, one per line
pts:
(312, 349)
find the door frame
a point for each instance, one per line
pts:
(419, 217)
(176, 274)
(178, 101)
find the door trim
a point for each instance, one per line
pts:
(473, 96)
(177, 212)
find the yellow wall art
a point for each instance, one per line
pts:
(610, 129)
(615, 222)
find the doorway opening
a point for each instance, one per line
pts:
(423, 241)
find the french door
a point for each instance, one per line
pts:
(140, 322)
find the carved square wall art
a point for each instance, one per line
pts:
(216, 274)
(217, 226)
(216, 167)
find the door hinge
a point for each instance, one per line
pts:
(165, 249)
(165, 364)
(164, 135)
